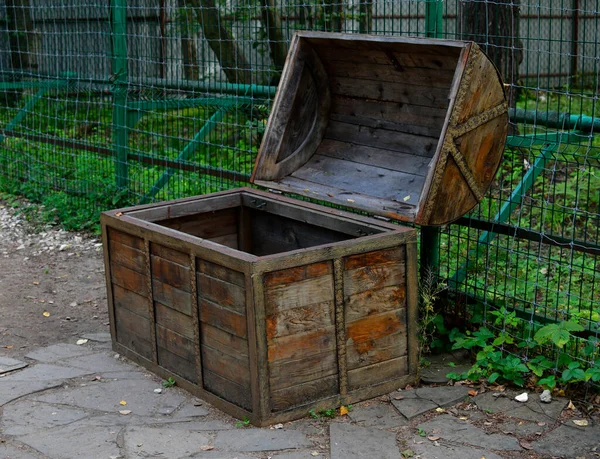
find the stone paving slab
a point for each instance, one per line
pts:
(12, 390)
(570, 442)
(98, 363)
(25, 417)
(418, 401)
(46, 372)
(163, 441)
(98, 337)
(14, 452)
(75, 441)
(107, 395)
(353, 442)
(452, 429)
(57, 352)
(443, 396)
(532, 410)
(412, 407)
(298, 455)
(7, 364)
(427, 449)
(249, 439)
(382, 416)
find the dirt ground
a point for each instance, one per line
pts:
(52, 286)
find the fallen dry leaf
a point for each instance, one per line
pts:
(440, 410)
(433, 437)
(463, 418)
(498, 388)
(487, 423)
(406, 198)
(81, 341)
(206, 448)
(278, 426)
(36, 283)
(350, 200)
(472, 393)
(580, 422)
(343, 410)
(46, 314)
(123, 402)
(561, 393)
(570, 406)
(118, 214)
(314, 453)
(525, 445)
(408, 387)
(8, 347)
(398, 397)
(125, 412)
(541, 424)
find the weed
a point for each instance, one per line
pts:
(243, 423)
(169, 382)
(421, 432)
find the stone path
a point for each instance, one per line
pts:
(68, 401)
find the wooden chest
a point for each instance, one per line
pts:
(268, 306)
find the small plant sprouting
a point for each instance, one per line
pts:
(329, 413)
(243, 423)
(170, 382)
(421, 432)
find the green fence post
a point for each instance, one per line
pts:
(430, 235)
(119, 90)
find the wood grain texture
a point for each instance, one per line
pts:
(377, 301)
(170, 273)
(376, 350)
(176, 364)
(129, 279)
(373, 277)
(125, 239)
(128, 256)
(226, 366)
(297, 274)
(225, 319)
(226, 295)
(129, 340)
(227, 390)
(220, 272)
(205, 225)
(299, 319)
(131, 321)
(310, 291)
(395, 254)
(228, 240)
(176, 344)
(172, 297)
(174, 320)
(295, 347)
(293, 372)
(363, 333)
(301, 394)
(378, 373)
(174, 256)
(226, 342)
(126, 299)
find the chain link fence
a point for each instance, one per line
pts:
(114, 102)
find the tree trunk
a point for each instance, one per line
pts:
(333, 12)
(365, 21)
(21, 35)
(495, 27)
(220, 39)
(278, 47)
(191, 70)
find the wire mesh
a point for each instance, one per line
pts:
(111, 103)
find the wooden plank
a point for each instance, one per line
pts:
(430, 78)
(395, 254)
(276, 234)
(401, 128)
(131, 321)
(228, 240)
(195, 319)
(125, 239)
(226, 295)
(107, 276)
(380, 349)
(412, 314)
(396, 114)
(226, 342)
(300, 320)
(298, 294)
(362, 333)
(222, 318)
(373, 302)
(172, 297)
(174, 320)
(126, 299)
(126, 337)
(150, 302)
(294, 347)
(361, 178)
(169, 254)
(346, 198)
(303, 393)
(373, 277)
(378, 373)
(257, 340)
(226, 366)
(291, 373)
(402, 93)
(171, 273)
(401, 56)
(379, 157)
(244, 230)
(184, 207)
(176, 364)
(220, 272)
(296, 274)
(376, 137)
(176, 344)
(128, 256)
(129, 279)
(227, 390)
(205, 225)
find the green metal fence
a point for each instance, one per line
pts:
(105, 103)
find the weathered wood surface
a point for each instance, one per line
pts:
(272, 339)
(207, 225)
(414, 133)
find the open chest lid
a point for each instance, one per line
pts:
(407, 128)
